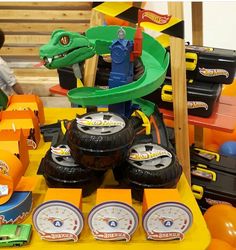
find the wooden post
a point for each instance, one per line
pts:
(178, 74)
(90, 67)
(197, 37)
(197, 21)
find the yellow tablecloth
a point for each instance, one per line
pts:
(197, 238)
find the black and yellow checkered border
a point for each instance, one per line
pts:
(126, 11)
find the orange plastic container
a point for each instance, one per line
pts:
(25, 120)
(24, 102)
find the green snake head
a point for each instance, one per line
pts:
(65, 49)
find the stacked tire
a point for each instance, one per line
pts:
(93, 150)
(100, 140)
(64, 172)
(149, 165)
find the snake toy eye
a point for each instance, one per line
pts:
(64, 40)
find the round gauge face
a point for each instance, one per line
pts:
(168, 217)
(58, 217)
(111, 217)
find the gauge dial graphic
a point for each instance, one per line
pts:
(168, 217)
(113, 217)
(58, 217)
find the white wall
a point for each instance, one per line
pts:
(219, 22)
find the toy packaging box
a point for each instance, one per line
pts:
(213, 160)
(201, 97)
(24, 120)
(212, 187)
(213, 65)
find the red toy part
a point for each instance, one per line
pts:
(221, 222)
(138, 44)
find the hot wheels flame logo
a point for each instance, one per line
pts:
(213, 72)
(63, 236)
(197, 104)
(99, 123)
(111, 235)
(18, 219)
(215, 202)
(4, 169)
(165, 235)
(148, 16)
(149, 155)
(60, 151)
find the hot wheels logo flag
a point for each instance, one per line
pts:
(151, 16)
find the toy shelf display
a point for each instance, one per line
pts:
(197, 231)
(222, 118)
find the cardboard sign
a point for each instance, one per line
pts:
(15, 143)
(27, 102)
(24, 120)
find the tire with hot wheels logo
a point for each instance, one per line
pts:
(152, 164)
(62, 172)
(100, 140)
(65, 167)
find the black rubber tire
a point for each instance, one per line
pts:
(97, 161)
(102, 143)
(138, 188)
(100, 151)
(67, 173)
(160, 177)
(88, 186)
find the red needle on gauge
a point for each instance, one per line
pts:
(52, 219)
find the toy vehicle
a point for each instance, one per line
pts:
(15, 234)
